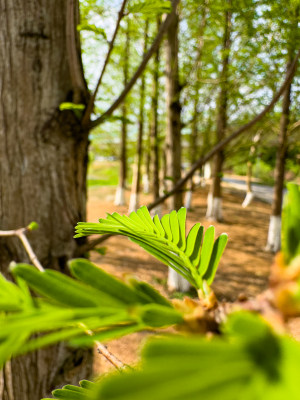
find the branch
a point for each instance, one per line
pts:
(155, 45)
(201, 161)
(90, 106)
(73, 52)
(21, 234)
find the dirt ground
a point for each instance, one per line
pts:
(244, 267)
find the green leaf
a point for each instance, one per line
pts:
(165, 221)
(165, 240)
(174, 225)
(149, 7)
(181, 220)
(217, 252)
(88, 273)
(156, 316)
(208, 245)
(61, 288)
(193, 241)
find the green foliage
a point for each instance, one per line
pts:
(33, 226)
(195, 257)
(290, 233)
(250, 361)
(76, 108)
(67, 308)
(149, 7)
(92, 28)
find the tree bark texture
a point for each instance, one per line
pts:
(222, 108)
(173, 137)
(43, 161)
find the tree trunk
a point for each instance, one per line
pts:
(43, 154)
(194, 133)
(136, 182)
(249, 193)
(274, 234)
(120, 193)
(154, 126)
(173, 138)
(214, 206)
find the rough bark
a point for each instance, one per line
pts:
(43, 154)
(120, 194)
(214, 211)
(173, 136)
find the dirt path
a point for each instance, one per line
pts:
(244, 267)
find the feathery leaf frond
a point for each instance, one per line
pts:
(195, 257)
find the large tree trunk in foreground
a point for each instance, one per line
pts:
(214, 201)
(173, 138)
(43, 159)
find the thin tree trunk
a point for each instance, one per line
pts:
(154, 124)
(120, 193)
(274, 238)
(43, 162)
(274, 234)
(173, 137)
(214, 206)
(249, 193)
(146, 176)
(135, 191)
(194, 134)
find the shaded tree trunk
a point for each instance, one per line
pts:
(214, 201)
(194, 133)
(120, 193)
(173, 137)
(135, 190)
(43, 154)
(274, 234)
(154, 125)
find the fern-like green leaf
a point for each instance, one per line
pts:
(195, 259)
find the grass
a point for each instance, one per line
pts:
(103, 173)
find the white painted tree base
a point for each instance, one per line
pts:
(146, 184)
(156, 211)
(207, 171)
(176, 282)
(274, 234)
(120, 196)
(188, 199)
(214, 208)
(133, 202)
(248, 199)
